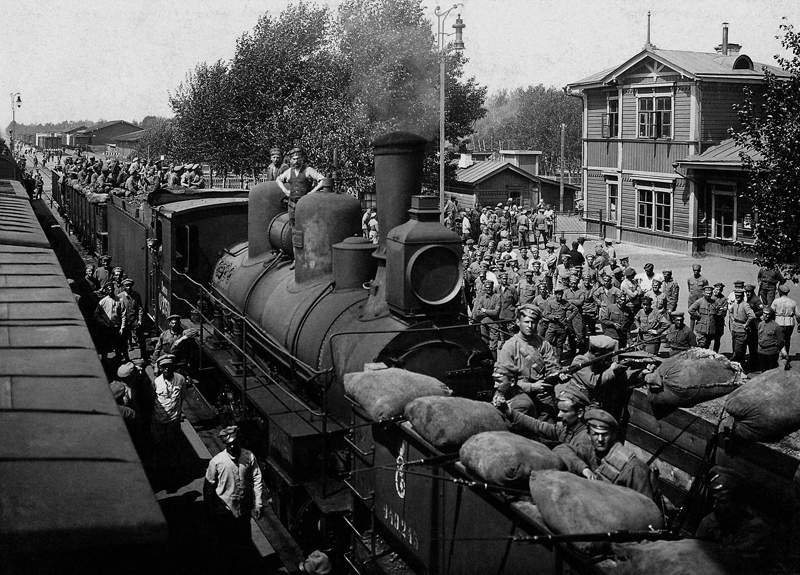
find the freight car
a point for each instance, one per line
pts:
(73, 494)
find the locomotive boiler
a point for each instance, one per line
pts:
(325, 299)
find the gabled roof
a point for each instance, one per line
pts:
(480, 171)
(723, 155)
(692, 65)
(74, 129)
(97, 127)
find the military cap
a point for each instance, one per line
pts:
(679, 314)
(529, 310)
(470, 242)
(696, 266)
(127, 282)
(528, 271)
(273, 151)
(174, 316)
(551, 245)
(507, 369)
(562, 240)
(708, 287)
(599, 419)
(576, 396)
(536, 263)
(602, 343)
(608, 240)
(629, 272)
(228, 434)
(738, 283)
(116, 269)
(666, 271)
(725, 479)
(783, 288)
(581, 239)
(647, 299)
(117, 389)
(297, 150)
(648, 266)
(719, 284)
(126, 370)
(558, 288)
(167, 359)
(749, 287)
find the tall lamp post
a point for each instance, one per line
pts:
(458, 44)
(16, 102)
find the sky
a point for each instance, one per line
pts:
(114, 60)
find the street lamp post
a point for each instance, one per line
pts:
(458, 44)
(16, 102)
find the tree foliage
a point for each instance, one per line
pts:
(530, 118)
(770, 138)
(324, 81)
(157, 138)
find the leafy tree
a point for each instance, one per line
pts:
(157, 138)
(531, 118)
(324, 82)
(770, 138)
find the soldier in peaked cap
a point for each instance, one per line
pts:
(233, 490)
(507, 391)
(277, 165)
(606, 459)
(679, 336)
(168, 390)
(534, 359)
(786, 314)
(168, 338)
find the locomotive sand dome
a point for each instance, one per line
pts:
(320, 312)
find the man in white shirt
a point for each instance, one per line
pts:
(165, 424)
(233, 488)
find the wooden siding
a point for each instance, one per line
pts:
(655, 240)
(680, 208)
(682, 107)
(602, 154)
(596, 106)
(505, 179)
(652, 155)
(718, 115)
(596, 194)
(629, 114)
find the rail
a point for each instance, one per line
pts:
(246, 356)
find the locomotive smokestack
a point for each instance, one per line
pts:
(398, 176)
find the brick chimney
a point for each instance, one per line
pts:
(727, 48)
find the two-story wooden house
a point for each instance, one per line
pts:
(641, 119)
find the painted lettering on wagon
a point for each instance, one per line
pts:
(399, 524)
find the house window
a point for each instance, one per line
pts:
(611, 119)
(654, 209)
(724, 224)
(612, 201)
(655, 116)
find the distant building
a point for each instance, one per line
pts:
(128, 144)
(49, 140)
(643, 119)
(515, 176)
(108, 132)
(75, 138)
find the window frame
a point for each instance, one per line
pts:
(609, 184)
(650, 122)
(611, 124)
(726, 189)
(650, 211)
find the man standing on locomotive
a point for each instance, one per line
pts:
(276, 167)
(299, 180)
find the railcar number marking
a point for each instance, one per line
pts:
(400, 474)
(163, 305)
(399, 524)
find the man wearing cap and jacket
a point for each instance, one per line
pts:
(134, 315)
(671, 290)
(570, 429)
(276, 166)
(233, 489)
(741, 322)
(168, 338)
(533, 358)
(604, 382)
(752, 336)
(704, 311)
(561, 317)
(605, 459)
(679, 336)
(786, 314)
(165, 423)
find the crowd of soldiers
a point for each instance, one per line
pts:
(581, 291)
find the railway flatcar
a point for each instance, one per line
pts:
(73, 494)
